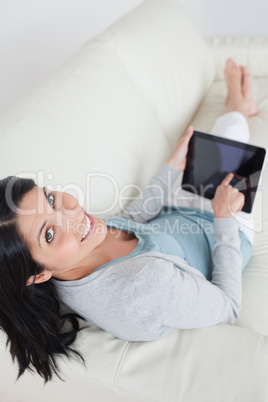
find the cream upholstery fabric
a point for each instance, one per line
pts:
(251, 52)
(255, 277)
(118, 107)
(119, 94)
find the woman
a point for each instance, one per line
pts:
(136, 279)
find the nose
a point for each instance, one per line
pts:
(72, 213)
(69, 202)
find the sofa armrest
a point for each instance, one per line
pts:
(249, 51)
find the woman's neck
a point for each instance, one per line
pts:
(116, 244)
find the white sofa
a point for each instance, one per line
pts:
(116, 110)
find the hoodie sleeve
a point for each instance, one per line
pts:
(149, 204)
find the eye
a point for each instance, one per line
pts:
(49, 235)
(51, 199)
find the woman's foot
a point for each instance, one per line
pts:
(247, 91)
(239, 83)
(233, 76)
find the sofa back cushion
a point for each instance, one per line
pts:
(111, 115)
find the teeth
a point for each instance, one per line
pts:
(87, 228)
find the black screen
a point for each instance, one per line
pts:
(211, 158)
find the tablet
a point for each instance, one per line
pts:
(210, 158)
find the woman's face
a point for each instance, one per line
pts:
(60, 234)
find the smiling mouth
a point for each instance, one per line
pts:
(89, 227)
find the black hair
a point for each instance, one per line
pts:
(30, 315)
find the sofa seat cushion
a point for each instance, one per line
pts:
(255, 277)
(219, 363)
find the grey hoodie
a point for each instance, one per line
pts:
(147, 296)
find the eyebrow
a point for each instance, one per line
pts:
(44, 224)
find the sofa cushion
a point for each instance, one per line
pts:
(248, 51)
(255, 277)
(103, 111)
(222, 363)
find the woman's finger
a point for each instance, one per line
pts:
(227, 180)
(189, 133)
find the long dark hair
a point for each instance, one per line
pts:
(30, 315)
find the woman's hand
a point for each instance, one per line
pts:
(227, 200)
(178, 158)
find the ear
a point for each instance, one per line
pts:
(40, 278)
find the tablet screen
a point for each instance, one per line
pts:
(211, 158)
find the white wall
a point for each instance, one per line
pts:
(37, 36)
(229, 17)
